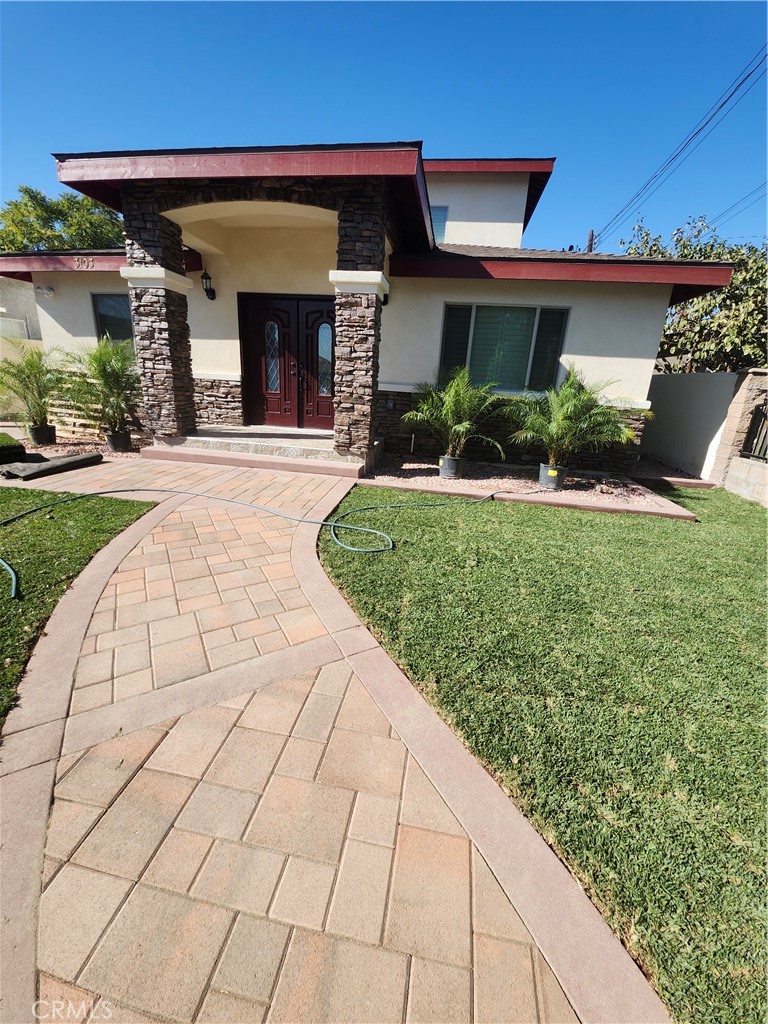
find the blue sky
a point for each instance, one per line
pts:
(610, 89)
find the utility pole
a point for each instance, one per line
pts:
(590, 240)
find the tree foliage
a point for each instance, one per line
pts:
(67, 221)
(722, 330)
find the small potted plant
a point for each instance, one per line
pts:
(106, 390)
(455, 415)
(566, 421)
(33, 379)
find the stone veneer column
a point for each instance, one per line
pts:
(157, 287)
(360, 286)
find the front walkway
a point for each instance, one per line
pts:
(255, 816)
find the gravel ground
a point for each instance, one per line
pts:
(483, 477)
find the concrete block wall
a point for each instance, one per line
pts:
(750, 391)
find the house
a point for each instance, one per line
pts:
(312, 287)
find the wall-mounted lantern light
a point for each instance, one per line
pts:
(206, 282)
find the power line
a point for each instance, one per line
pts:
(738, 202)
(687, 156)
(736, 86)
(732, 89)
(738, 212)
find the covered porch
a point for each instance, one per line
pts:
(295, 244)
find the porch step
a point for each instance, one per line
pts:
(183, 453)
(284, 444)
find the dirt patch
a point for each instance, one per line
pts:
(484, 477)
(71, 447)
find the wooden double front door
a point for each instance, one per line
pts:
(287, 344)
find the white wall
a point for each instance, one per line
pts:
(612, 334)
(482, 209)
(689, 412)
(66, 316)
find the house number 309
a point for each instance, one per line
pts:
(83, 262)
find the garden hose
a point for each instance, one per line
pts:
(333, 524)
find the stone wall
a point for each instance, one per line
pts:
(218, 401)
(161, 337)
(358, 334)
(160, 322)
(150, 238)
(397, 437)
(750, 392)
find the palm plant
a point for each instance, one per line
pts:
(34, 379)
(105, 387)
(458, 413)
(568, 420)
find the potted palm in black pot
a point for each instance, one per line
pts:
(566, 421)
(32, 379)
(105, 389)
(456, 414)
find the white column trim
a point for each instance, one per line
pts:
(155, 277)
(359, 282)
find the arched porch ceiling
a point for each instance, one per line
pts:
(205, 225)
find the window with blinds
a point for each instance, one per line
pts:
(496, 343)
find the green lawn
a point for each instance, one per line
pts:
(610, 670)
(47, 550)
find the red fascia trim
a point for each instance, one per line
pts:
(23, 267)
(559, 270)
(477, 166)
(339, 163)
(45, 262)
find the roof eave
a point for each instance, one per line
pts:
(686, 279)
(102, 175)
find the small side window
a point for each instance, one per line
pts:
(439, 219)
(113, 317)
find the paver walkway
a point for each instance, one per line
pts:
(238, 831)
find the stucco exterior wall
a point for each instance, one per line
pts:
(613, 331)
(273, 260)
(689, 412)
(66, 317)
(482, 210)
(612, 334)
